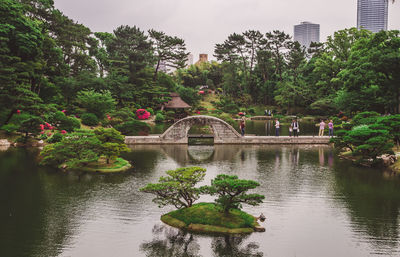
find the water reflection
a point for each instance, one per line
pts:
(373, 204)
(172, 242)
(308, 192)
(235, 246)
(168, 241)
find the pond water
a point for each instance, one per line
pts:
(316, 205)
(255, 127)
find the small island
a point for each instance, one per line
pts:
(207, 218)
(86, 150)
(224, 216)
(119, 165)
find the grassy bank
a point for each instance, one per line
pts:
(206, 218)
(119, 165)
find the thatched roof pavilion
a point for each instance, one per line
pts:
(176, 102)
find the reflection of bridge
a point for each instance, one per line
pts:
(223, 133)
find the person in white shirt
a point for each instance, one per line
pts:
(295, 126)
(277, 127)
(321, 128)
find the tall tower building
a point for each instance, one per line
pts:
(372, 15)
(306, 32)
(202, 58)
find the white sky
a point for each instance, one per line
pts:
(203, 23)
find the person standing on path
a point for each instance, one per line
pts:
(321, 128)
(330, 126)
(277, 124)
(242, 125)
(296, 128)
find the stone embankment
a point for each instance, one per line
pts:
(222, 132)
(284, 140)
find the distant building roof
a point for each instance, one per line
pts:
(176, 102)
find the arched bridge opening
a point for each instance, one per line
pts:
(222, 132)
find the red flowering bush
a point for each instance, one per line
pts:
(142, 114)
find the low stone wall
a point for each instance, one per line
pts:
(141, 140)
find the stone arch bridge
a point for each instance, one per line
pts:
(223, 133)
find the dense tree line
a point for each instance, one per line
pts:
(49, 62)
(355, 70)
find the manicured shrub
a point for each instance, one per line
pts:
(62, 122)
(57, 137)
(124, 114)
(133, 127)
(89, 119)
(365, 118)
(43, 136)
(170, 115)
(160, 117)
(150, 110)
(9, 128)
(98, 103)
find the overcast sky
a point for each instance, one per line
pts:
(203, 23)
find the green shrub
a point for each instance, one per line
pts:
(117, 121)
(160, 117)
(43, 137)
(62, 122)
(123, 114)
(225, 117)
(365, 118)
(9, 128)
(170, 115)
(19, 118)
(150, 110)
(252, 111)
(57, 137)
(133, 127)
(98, 103)
(89, 119)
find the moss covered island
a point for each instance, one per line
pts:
(208, 218)
(119, 165)
(223, 216)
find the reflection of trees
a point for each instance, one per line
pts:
(187, 155)
(143, 157)
(373, 202)
(234, 246)
(172, 242)
(39, 208)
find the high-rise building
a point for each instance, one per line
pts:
(306, 32)
(372, 15)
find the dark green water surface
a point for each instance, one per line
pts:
(316, 205)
